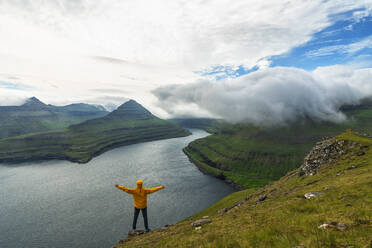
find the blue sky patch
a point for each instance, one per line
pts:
(347, 41)
(340, 43)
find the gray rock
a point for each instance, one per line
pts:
(136, 232)
(313, 195)
(352, 167)
(361, 153)
(224, 210)
(200, 222)
(333, 225)
(262, 198)
(362, 222)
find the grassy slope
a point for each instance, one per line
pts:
(252, 157)
(286, 218)
(207, 124)
(81, 142)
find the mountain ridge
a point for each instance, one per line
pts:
(131, 110)
(36, 116)
(83, 141)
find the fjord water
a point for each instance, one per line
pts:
(64, 204)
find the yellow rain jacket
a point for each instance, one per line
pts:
(139, 193)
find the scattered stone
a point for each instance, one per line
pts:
(122, 241)
(200, 222)
(313, 195)
(198, 228)
(333, 225)
(348, 205)
(339, 173)
(224, 210)
(312, 182)
(163, 229)
(361, 153)
(136, 232)
(205, 217)
(273, 190)
(262, 198)
(362, 222)
(352, 167)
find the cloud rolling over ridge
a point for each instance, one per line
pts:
(271, 96)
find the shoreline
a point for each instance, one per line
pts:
(63, 157)
(217, 173)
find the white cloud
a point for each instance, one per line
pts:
(277, 95)
(65, 48)
(348, 49)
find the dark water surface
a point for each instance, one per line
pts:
(63, 204)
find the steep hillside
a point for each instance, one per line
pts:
(207, 124)
(129, 124)
(325, 203)
(251, 157)
(35, 116)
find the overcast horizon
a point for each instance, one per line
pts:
(261, 62)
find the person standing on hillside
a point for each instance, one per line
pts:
(140, 200)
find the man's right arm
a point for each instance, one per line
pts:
(125, 189)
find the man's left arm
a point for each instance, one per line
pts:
(152, 190)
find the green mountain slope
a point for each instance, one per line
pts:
(279, 215)
(207, 124)
(35, 116)
(129, 124)
(251, 157)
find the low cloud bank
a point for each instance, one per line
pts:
(271, 96)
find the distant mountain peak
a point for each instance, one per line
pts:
(132, 110)
(33, 101)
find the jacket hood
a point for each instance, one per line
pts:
(139, 184)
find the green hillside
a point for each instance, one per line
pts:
(207, 124)
(251, 157)
(129, 124)
(278, 215)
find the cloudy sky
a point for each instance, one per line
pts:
(261, 61)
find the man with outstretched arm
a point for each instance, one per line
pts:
(140, 200)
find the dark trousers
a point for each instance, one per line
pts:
(144, 214)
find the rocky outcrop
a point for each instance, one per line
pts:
(200, 222)
(328, 151)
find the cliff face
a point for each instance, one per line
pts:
(325, 203)
(328, 151)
